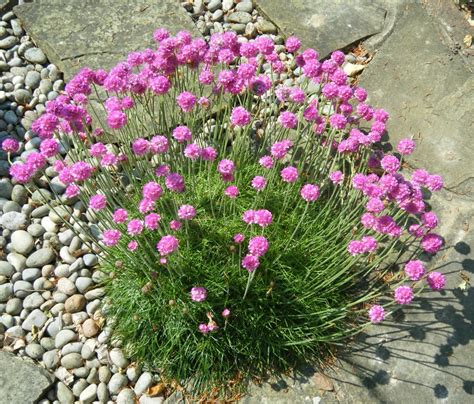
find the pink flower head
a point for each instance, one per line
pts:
(160, 85)
(146, 205)
(360, 94)
(279, 149)
(390, 164)
(431, 243)
(376, 314)
(226, 167)
(97, 150)
(182, 134)
(10, 145)
(159, 144)
(152, 220)
(249, 216)
(259, 182)
(258, 246)
(203, 328)
(403, 295)
(111, 237)
(198, 294)
(140, 146)
(120, 216)
(266, 162)
(434, 182)
(152, 191)
(336, 177)
(167, 245)
(49, 147)
(192, 151)
(369, 244)
(429, 220)
(186, 101)
(288, 120)
(133, 245)
(263, 217)
(310, 192)
(292, 44)
(338, 121)
(368, 220)
(436, 280)
(414, 269)
(160, 34)
(231, 191)
(175, 225)
(208, 153)
(81, 171)
(406, 146)
(175, 182)
(374, 205)
(97, 202)
(116, 119)
(419, 177)
(250, 263)
(240, 116)
(225, 313)
(289, 174)
(134, 227)
(239, 238)
(186, 212)
(72, 191)
(162, 170)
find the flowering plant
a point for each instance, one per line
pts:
(248, 222)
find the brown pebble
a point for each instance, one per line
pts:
(90, 328)
(75, 303)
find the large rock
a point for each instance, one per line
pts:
(35, 381)
(325, 25)
(99, 35)
(428, 91)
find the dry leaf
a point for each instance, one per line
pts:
(156, 390)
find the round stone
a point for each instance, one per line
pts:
(32, 79)
(41, 257)
(36, 230)
(22, 96)
(82, 283)
(8, 42)
(245, 6)
(118, 359)
(35, 318)
(34, 351)
(30, 274)
(66, 286)
(143, 383)
(11, 206)
(14, 306)
(75, 303)
(90, 260)
(6, 269)
(10, 117)
(88, 394)
(6, 188)
(6, 291)
(240, 17)
(51, 359)
(63, 337)
(71, 361)
(126, 396)
(64, 394)
(102, 393)
(116, 383)
(104, 374)
(22, 242)
(90, 328)
(35, 55)
(33, 301)
(19, 194)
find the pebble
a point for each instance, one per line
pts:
(75, 303)
(82, 283)
(227, 5)
(15, 332)
(126, 396)
(6, 269)
(66, 237)
(87, 351)
(41, 257)
(66, 286)
(14, 306)
(143, 383)
(117, 381)
(151, 400)
(63, 337)
(79, 387)
(71, 361)
(245, 6)
(6, 188)
(214, 5)
(89, 394)
(64, 394)
(36, 230)
(217, 15)
(95, 293)
(352, 69)
(22, 289)
(93, 376)
(72, 347)
(40, 212)
(19, 194)
(90, 328)
(118, 359)
(51, 359)
(34, 351)
(102, 393)
(8, 42)
(32, 79)
(22, 96)
(35, 318)
(35, 55)
(22, 242)
(10, 117)
(31, 274)
(33, 301)
(266, 27)
(240, 17)
(11, 206)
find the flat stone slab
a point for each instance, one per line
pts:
(100, 33)
(429, 92)
(325, 25)
(21, 381)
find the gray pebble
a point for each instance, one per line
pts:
(6, 269)
(31, 274)
(64, 394)
(47, 343)
(240, 17)
(34, 351)
(72, 347)
(90, 260)
(40, 212)
(17, 260)
(10, 117)
(22, 289)
(33, 301)
(89, 394)
(126, 396)
(35, 55)
(93, 377)
(8, 42)
(6, 188)
(14, 306)
(245, 6)
(11, 206)
(19, 194)
(82, 283)
(118, 359)
(217, 15)
(116, 383)
(102, 392)
(41, 257)
(227, 5)
(22, 242)
(22, 96)
(36, 230)
(79, 387)
(214, 5)
(51, 359)
(6, 291)
(63, 337)
(32, 79)
(71, 361)
(15, 332)
(66, 286)
(266, 27)
(41, 196)
(143, 383)
(104, 374)
(35, 318)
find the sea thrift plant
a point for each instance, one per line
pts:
(247, 225)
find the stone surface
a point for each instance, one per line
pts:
(13, 369)
(99, 35)
(41, 257)
(429, 97)
(325, 25)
